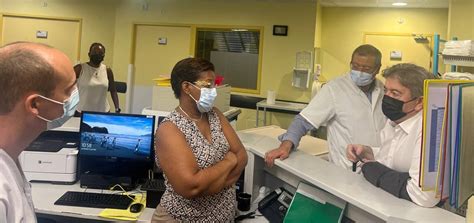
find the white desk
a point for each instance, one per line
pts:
(308, 144)
(232, 114)
(279, 105)
(45, 194)
(366, 203)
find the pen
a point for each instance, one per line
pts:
(354, 166)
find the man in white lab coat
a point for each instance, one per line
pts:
(38, 92)
(395, 166)
(349, 106)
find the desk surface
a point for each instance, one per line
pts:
(45, 194)
(308, 144)
(282, 105)
(347, 185)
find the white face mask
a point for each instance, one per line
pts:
(69, 107)
(206, 100)
(361, 78)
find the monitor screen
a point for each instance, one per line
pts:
(116, 144)
(159, 115)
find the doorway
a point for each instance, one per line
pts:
(61, 33)
(406, 46)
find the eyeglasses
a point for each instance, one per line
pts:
(362, 68)
(204, 84)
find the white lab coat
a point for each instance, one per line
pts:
(16, 204)
(349, 116)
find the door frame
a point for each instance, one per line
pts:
(193, 39)
(429, 36)
(66, 19)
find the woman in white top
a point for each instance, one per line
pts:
(94, 79)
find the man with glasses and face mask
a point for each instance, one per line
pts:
(395, 166)
(349, 106)
(38, 92)
(94, 79)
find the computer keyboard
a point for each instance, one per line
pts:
(154, 184)
(94, 200)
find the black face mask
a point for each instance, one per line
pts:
(96, 58)
(393, 108)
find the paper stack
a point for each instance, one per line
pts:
(470, 210)
(163, 81)
(448, 145)
(459, 48)
(125, 215)
(458, 76)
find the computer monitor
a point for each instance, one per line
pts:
(115, 148)
(159, 115)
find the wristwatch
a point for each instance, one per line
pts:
(118, 110)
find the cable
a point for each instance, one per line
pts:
(124, 192)
(150, 174)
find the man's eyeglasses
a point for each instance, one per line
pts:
(205, 84)
(362, 68)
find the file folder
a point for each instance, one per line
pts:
(311, 204)
(448, 146)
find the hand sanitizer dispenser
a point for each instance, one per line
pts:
(302, 71)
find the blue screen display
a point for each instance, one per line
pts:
(117, 135)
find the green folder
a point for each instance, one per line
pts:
(311, 204)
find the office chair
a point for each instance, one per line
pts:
(121, 86)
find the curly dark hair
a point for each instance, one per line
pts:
(188, 70)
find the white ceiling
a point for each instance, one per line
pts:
(386, 3)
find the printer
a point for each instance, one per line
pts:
(53, 155)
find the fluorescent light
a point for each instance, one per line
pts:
(399, 4)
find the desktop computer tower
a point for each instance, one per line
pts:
(97, 181)
(153, 197)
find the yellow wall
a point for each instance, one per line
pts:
(98, 18)
(461, 19)
(318, 26)
(110, 22)
(343, 30)
(62, 34)
(278, 52)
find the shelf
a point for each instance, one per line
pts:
(459, 60)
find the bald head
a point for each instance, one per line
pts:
(29, 68)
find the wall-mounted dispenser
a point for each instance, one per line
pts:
(302, 70)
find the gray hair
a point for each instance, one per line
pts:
(410, 76)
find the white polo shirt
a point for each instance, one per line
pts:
(401, 151)
(16, 204)
(349, 116)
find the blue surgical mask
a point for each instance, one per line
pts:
(69, 107)
(361, 78)
(206, 100)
